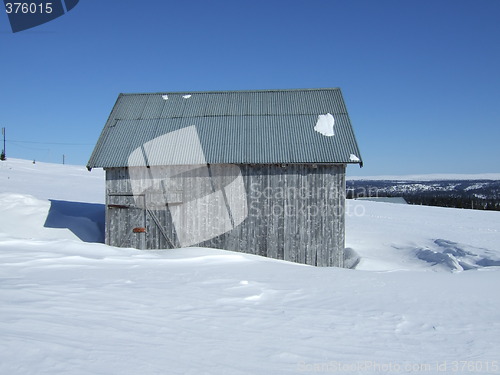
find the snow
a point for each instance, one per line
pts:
(353, 157)
(52, 181)
(186, 96)
(165, 97)
(476, 186)
(324, 125)
(389, 236)
(421, 299)
(456, 256)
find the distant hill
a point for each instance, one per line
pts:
(430, 177)
(483, 194)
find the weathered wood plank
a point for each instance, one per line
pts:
(292, 212)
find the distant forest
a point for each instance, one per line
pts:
(477, 194)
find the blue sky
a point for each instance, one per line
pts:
(421, 79)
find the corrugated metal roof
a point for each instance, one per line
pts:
(233, 127)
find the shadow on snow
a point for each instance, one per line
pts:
(85, 220)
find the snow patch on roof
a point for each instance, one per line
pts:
(324, 125)
(165, 97)
(353, 157)
(186, 96)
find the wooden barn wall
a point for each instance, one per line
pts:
(292, 212)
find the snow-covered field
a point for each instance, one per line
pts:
(423, 298)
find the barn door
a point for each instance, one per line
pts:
(126, 221)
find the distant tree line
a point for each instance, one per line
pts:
(455, 202)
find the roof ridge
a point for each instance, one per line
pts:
(231, 91)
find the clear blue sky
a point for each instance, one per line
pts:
(421, 79)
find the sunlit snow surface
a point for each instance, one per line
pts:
(353, 157)
(324, 125)
(74, 307)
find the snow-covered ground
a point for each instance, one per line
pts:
(52, 181)
(423, 298)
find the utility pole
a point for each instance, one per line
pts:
(2, 156)
(63, 158)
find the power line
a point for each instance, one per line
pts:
(17, 145)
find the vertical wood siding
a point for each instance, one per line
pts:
(294, 212)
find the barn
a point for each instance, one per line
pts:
(260, 172)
